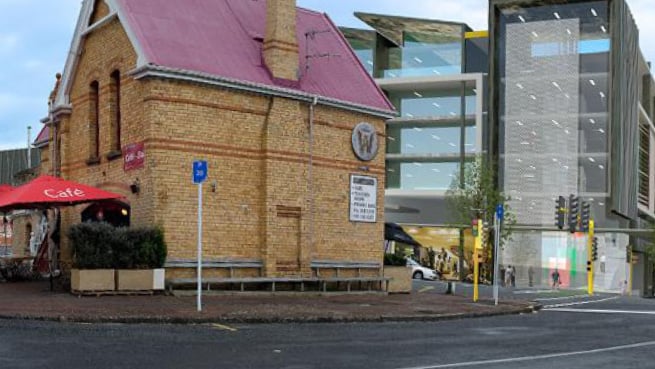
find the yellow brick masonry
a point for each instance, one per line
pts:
(100, 11)
(258, 152)
(280, 43)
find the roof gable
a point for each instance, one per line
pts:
(82, 29)
(224, 38)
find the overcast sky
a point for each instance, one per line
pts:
(35, 36)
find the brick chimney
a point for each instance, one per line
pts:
(280, 43)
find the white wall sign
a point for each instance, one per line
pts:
(363, 199)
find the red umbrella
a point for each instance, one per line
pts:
(46, 192)
(4, 189)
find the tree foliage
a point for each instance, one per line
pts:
(478, 198)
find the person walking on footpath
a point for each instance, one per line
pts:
(556, 281)
(509, 272)
(503, 271)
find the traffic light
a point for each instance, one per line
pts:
(574, 210)
(560, 211)
(474, 227)
(594, 249)
(628, 254)
(485, 233)
(585, 216)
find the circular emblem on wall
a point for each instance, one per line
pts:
(365, 141)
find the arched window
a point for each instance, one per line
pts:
(115, 105)
(94, 121)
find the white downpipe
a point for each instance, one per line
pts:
(310, 178)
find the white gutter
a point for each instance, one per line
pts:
(152, 71)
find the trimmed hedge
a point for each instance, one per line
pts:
(102, 246)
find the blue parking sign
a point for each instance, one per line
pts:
(500, 211)
(199, 171)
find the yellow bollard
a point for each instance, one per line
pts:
(590, 263)
(476, 260)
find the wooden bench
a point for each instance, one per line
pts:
(230, 264)
(339, 266)
(321, 282)
(316, 266)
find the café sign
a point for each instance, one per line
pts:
(134, 156)
(65, 194)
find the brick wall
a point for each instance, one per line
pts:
(280, 43)
(100, 11)
(257, 199)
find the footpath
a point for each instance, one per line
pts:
(35, 301)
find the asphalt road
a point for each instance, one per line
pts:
(486, 292)
(620, 337)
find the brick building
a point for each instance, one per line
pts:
(269, 94)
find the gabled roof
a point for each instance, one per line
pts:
(222, 40)
(43, 137)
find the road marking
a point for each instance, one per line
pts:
(536, 357)
(224, 327)
(547, 307)
(527, 292)
(426, 288)
(562, 298)
(598, 311)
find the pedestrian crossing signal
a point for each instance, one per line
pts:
(585, 216)
(574, 209)
(560, 212)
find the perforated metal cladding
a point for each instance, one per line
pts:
(541, 108)
(624, 110)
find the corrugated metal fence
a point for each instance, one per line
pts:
(14, 161)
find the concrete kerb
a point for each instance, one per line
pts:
(271, 319)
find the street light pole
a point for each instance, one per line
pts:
(496, 255)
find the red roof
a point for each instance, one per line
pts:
(224, 38)
(43, 136)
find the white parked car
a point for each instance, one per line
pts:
(421, 272)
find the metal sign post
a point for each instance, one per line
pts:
(498, 218)
(199, 176)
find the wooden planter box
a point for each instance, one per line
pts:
(140, 279)
(401, 278)
(93, 280)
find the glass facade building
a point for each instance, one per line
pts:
(553, 93)
(557, 94)
(422, 67)
(564, 120)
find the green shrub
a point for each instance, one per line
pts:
(101, 246)
(148, 246)
(92, 246)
